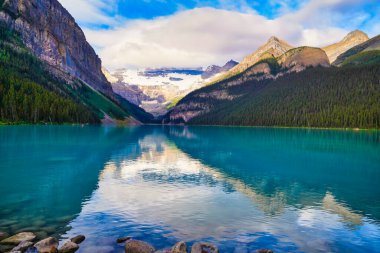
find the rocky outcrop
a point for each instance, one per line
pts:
(297, 59)
(273, 48)
(52, 34)
(352, 39)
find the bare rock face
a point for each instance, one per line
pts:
(52, 34)
(135, 246)
(298, 59)
(352, 39)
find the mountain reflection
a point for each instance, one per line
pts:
(239, 188)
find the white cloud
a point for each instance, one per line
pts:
(204, 36)
(92, 12)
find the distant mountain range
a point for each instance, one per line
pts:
(156, 90)
(279, 85)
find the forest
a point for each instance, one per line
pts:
(347, 97)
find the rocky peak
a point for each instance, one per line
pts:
(274, 47)
(52, 34)
(355, 35)
(351, 40)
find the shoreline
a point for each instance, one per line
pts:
(26, 242)
(352, 129)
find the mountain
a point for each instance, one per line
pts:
(352, 39)
(155, 90)
(43, 48)
(365, 53)
(273, 48)
(213, 70)
(297, 88)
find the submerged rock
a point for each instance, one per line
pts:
(3, 235)
(16, 239)
(123, 239)
(22, 247)
(264, 251)
(78, 239)
(69, 247)
(202, 247)
(47, 245)
(179, 247)
(135, 246)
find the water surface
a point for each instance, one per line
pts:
(290, 190)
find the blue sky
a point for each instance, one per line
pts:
(190, 33)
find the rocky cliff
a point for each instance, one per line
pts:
(351, 40)
(52, 34)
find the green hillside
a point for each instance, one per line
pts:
(316, 97)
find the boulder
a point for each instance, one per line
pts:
(22, 247)
(69, 247)
(202, 247)
(3, 235)
(179, 247)
(78, 239)
(47, 245)
(20, 237)
(135, 246)
(123, 239)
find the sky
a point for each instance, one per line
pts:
(196, 33)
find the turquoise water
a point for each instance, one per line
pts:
(290, 190)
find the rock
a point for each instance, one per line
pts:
(68, 247)
(47, 245)
(22, 247)
(180, 247)
(123, 239)
(3, 235)
(135, 246)
(6, 248)
(78, 239)
(264, 251)
(202, 247)
(16, 239)
(52, 34)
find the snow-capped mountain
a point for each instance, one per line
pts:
(156, 90)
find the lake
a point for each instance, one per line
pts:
(290, 190)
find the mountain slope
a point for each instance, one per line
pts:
(352, 39)
(273, 48)
(315, 97)
(367, 52)
(42, 44)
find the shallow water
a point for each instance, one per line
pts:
(290, 190)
